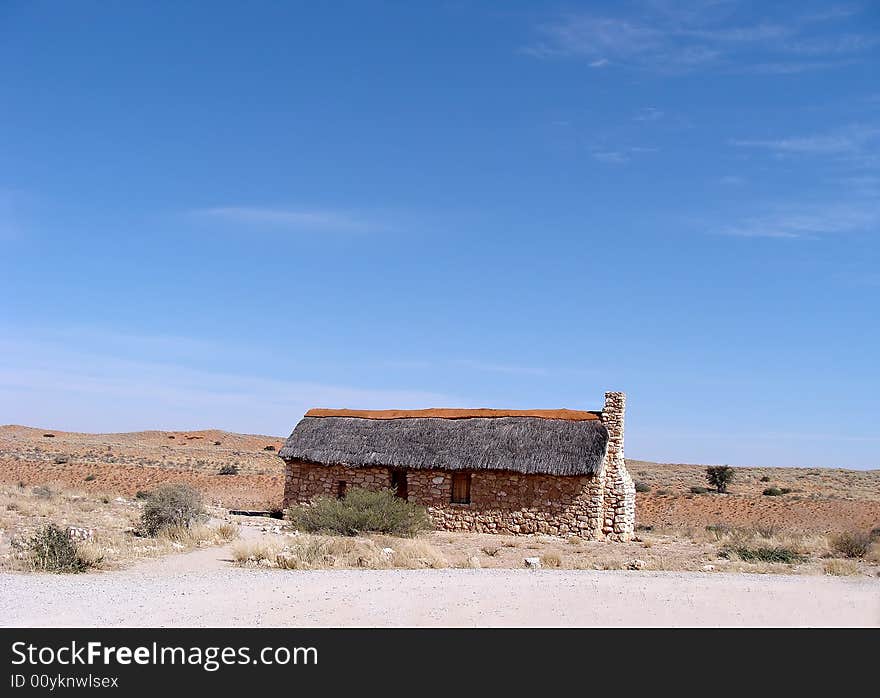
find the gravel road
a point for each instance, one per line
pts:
(203, 589)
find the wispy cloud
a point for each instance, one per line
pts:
(809, 221)
(790, 67)
(664, 37)
(611, 157)
(294, 219)
(619, 156)
(848, 141)
(648, 114)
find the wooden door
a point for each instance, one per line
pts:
(398, 482)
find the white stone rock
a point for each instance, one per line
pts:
(533, 563)
(708, 568)
(388, 551)
(636, 565)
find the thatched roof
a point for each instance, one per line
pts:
(519, 444)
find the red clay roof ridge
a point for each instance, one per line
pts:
(456, 413)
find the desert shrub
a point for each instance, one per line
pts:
(776, 491)
(361, 511)
(776, 553)
(268, 448)
(642, 486)
(61, 460)
(875, 533)
(663, 492)
(142, 494)
(172, 505)
(491, 550)
(51, 550)
(105, 500)
(719, 477)
(42, 491)
(89, 478)
(228, 469)
(765, 478)
(851, 544)
(699, 490)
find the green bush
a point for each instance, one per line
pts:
(642, 486)
(776, 491)
(719, 477)
(51, 550)
(765, 478)
(361, 511)
(699, 490)
(174, 505)
(89, 478)
(229, 469)
(765, 554)
(851, 544)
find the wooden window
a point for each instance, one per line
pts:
(340, 489)
(461, 488)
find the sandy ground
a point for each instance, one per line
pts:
(202, 589)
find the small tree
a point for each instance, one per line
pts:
(719, 476)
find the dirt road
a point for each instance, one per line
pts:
(203, 589)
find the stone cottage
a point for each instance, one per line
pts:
(494, 471)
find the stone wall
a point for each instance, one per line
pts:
(501, 502)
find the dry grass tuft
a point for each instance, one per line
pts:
(841, 568)
(551, 560)
(311, 552)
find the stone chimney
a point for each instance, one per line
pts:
(612, 416)
(619, 492)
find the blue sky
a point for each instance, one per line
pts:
(214, 215)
